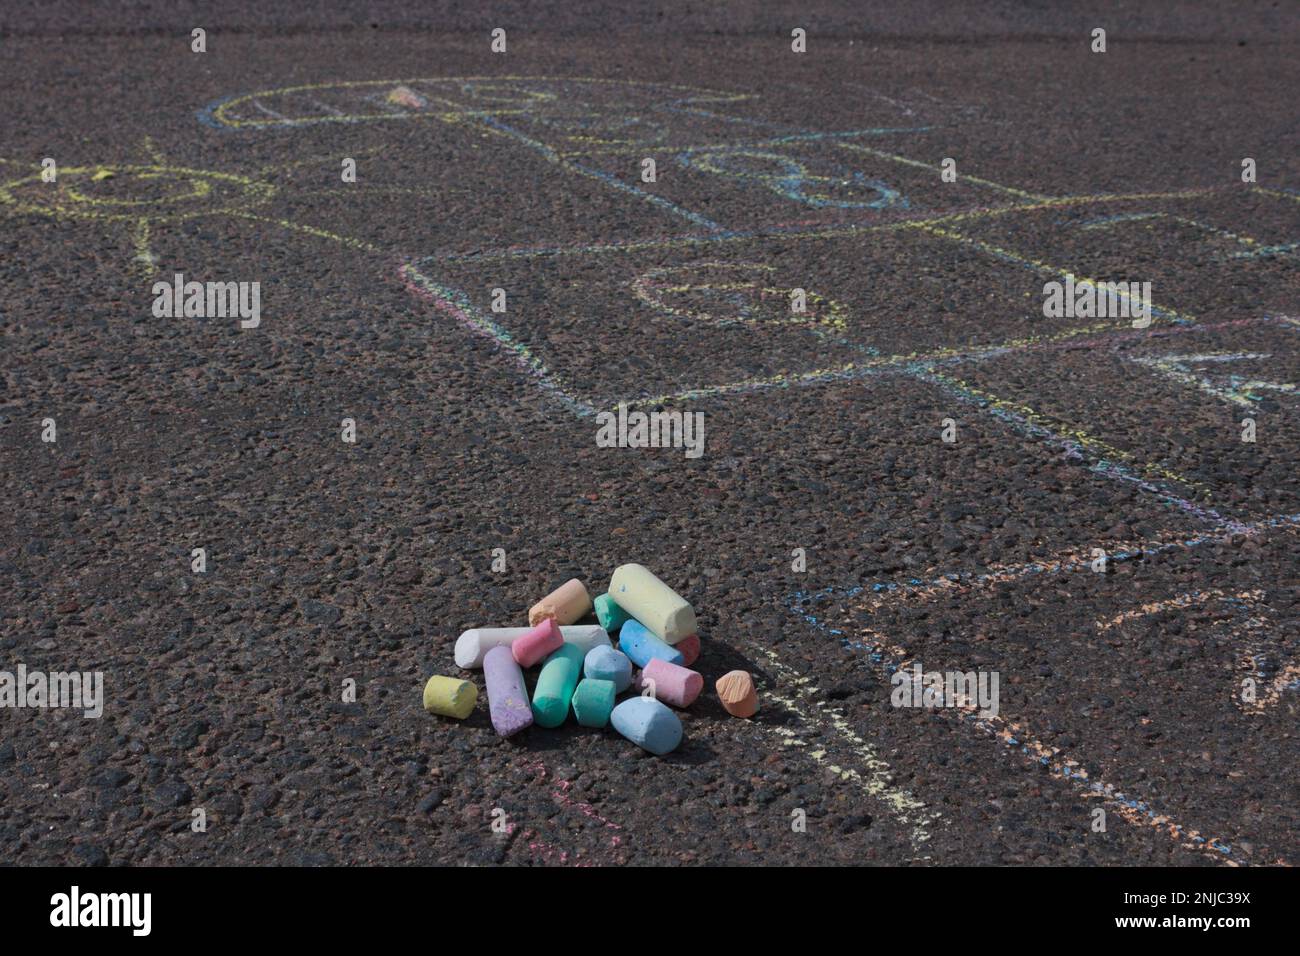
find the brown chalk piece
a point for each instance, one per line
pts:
(737, 693)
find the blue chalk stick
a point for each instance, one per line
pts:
(605, 663)
(648, 723)
(639, 644)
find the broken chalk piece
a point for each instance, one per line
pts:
(473, 644)
(555, 685)
(405, 96)
(449, 696)
(530, 648)
(605, 663)
(673, 684)
(507, 694)
(649, 724)
(610, 615)
(737, 693)
(637, 591)
(567, 604)
(592, 701)
(689, 648)
(641, 646)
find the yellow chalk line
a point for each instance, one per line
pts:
(885, 361)
(1273, 192)
(1189, 599)
(144, 254)
(877, 782)
(892, 157)
(1063, 201)
(1040, 266)
(152, 151)
(1098, 447)
(312, 231)
(930, 225)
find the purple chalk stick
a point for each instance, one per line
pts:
(507, 695)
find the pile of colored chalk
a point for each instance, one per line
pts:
(584, 673)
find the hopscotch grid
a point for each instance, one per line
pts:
(906, 806)
(851, 370)
(901, 803)
(929, 224)
(888, 658)
(1105, 459)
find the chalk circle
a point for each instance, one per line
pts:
(501, 94)
(727, 294)
(137, 193)
(358, 100)
(747, 164)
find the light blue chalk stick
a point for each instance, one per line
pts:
(649, 724)
(610, 615)
(642, 646)
(605, 663)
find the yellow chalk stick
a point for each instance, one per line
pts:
(450, 696)
(663, 612)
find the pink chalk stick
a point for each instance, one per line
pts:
(673, 683)
(689, 648)
(530, 648)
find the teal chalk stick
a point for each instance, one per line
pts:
(556, 684)
(592, 701)
(610, 615)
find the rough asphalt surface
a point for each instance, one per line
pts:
(327, 562)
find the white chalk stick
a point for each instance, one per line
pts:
(476, 642)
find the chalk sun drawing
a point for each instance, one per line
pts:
(145, 198)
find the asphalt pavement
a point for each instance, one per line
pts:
(1100, 536)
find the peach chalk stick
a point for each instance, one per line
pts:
(473, 644)
(663, 612)
(530, 648)
(673, 684)
(737, 693)
(567, 604)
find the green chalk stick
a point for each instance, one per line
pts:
(592, 701)
(610, 615)
(555, 685)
